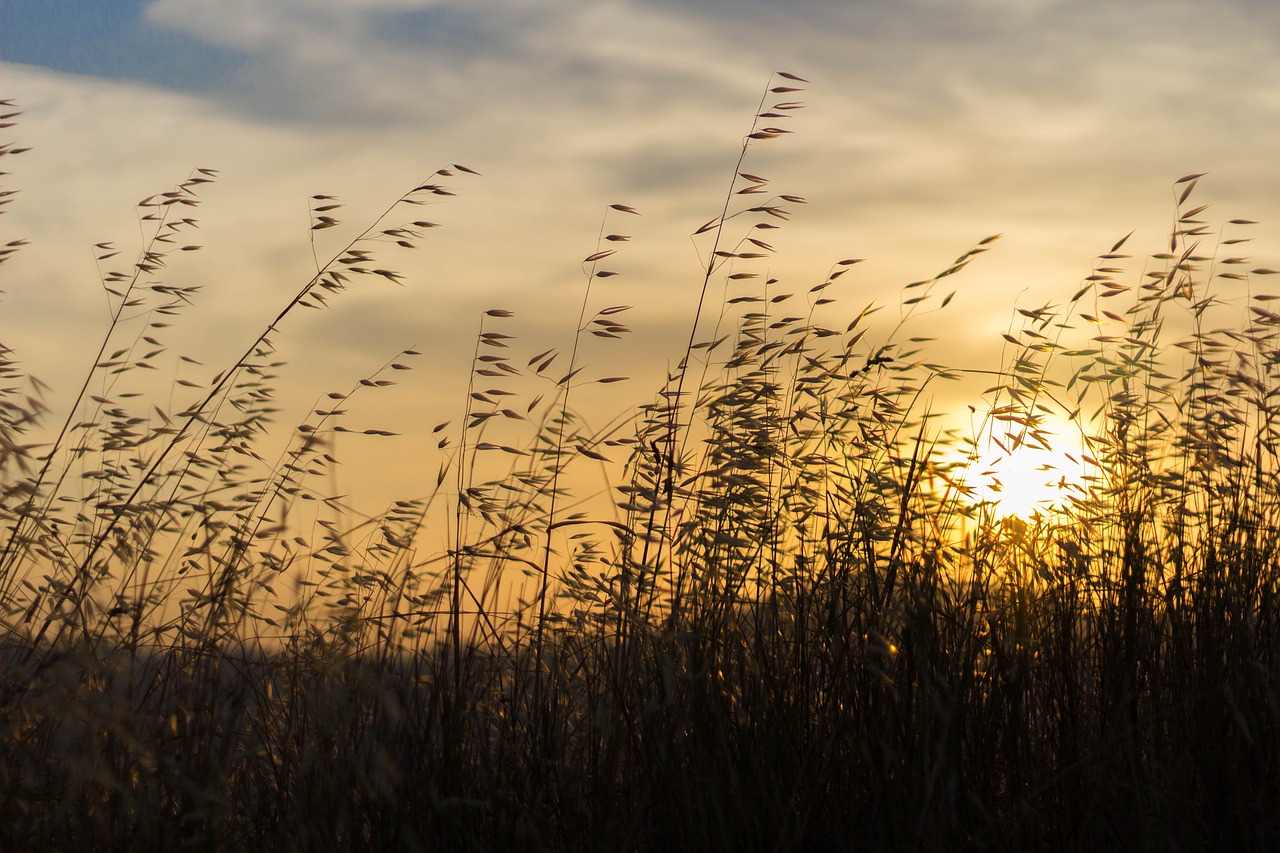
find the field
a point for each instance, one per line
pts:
(800, 621)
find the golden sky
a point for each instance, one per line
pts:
(930, 124)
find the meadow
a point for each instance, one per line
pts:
(797, 623)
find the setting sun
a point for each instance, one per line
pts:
(1025, 479)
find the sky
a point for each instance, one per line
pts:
(929, 125)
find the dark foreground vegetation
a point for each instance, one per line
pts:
(791, 627)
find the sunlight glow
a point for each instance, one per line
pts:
(1024, 480)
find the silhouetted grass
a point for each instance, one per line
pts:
(794, 629)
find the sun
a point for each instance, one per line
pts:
(1022, 479)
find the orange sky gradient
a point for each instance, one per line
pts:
(929, 125)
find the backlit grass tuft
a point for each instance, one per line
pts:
(802, 620)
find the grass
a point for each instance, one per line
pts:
(793, 627)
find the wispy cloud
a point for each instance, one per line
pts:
(930, 125)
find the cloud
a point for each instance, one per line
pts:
(930, 126)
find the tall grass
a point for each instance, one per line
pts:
(796, 626)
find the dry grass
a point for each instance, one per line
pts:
(795, 629)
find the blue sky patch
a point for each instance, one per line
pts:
(110, 39)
